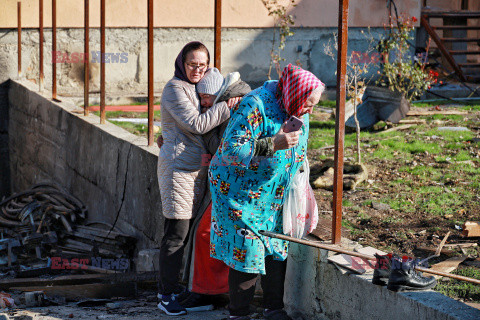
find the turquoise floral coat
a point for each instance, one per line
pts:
(248, 191)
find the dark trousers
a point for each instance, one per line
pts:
(242, 287)
(171, 253)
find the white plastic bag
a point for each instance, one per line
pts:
(300, 210)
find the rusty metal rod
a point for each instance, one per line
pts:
(310, 243)
(340, 121)
(102, 62)
(40, 60)
(86, 59)
(360, 255)
(218, 36)
(54, 49)
(150, 72)
(19, 33)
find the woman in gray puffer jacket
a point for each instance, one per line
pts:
(181, 175)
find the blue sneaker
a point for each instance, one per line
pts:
(170, 306)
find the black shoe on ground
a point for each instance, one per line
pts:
(382, 269)
(278, 314)
(196, 302)
(170, 306)
(404, 277)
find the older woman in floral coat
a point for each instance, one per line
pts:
(249, 182)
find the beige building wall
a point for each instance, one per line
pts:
(199, 13)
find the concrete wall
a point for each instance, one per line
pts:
(316, 289)
(200, 13)
(243, 50)
(109, 169)
(4, 155)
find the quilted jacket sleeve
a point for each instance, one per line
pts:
(177, 102)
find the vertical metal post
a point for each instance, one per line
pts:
(150, 72)
(40, 60)
(19, 32)
(54, 49)
(102, 62)
(340, 121)
(218, 35)
(86, 61)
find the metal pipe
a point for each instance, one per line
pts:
(19, 32)
(86, 59)
(218, 35)
(54, 49)
(340, 121)
(360, 255)
(40, 62)
(150, 72)
(102, 62)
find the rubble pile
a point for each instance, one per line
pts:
(45, 224)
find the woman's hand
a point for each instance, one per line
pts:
(160, 141)
(233, 101)
(282, 140)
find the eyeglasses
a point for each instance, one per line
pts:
(194, 66)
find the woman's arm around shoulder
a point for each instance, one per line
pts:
(177, 99)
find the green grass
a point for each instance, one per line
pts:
(347, 203)
(327, 103)
(461, 289)
(135, 128)
(125, 114)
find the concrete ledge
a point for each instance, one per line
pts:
(316, 289)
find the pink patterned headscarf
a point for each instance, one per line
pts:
(294, 88)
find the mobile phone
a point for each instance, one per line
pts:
(293, 124)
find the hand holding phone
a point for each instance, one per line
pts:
(293, 124)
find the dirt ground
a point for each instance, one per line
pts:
(417, 230)
(144, 307)
(396, 230)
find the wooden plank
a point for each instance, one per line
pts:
(462, 245)
(413, 121)
(452, 14)
(430, 249)
(414, 113)
(448, 265)
(402, 127)
(471, 229)
(92, 290)
(79, 279)
(464, 51)
(62, 280)
(460, 39)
